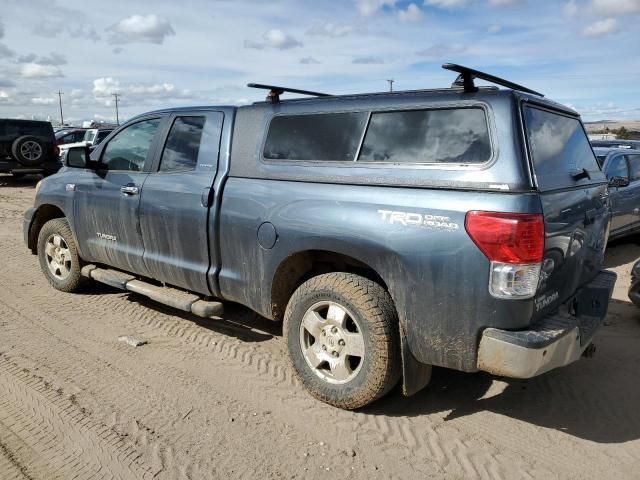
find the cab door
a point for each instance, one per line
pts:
(176, 201)
(107, 200)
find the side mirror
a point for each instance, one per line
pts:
(618, 182)
(77, 157)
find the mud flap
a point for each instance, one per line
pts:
(415, 375)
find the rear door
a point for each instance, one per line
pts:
(107, 201)
(575, 203)
(176, 200)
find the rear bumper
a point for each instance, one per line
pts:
(553, 341)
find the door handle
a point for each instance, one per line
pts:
(130, 190)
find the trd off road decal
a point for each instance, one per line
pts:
(413, 219)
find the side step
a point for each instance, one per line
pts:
(172, 297)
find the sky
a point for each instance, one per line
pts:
(155, 53)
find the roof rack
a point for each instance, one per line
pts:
(467, 76)
(274, 92)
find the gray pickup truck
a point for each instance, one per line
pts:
(462, 227)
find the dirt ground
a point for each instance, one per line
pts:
(216, 399)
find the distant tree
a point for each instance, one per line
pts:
(622, 133)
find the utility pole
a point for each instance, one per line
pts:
(60, 103)
(116, 96)
(391, 80)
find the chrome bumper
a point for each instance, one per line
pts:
(552, 342)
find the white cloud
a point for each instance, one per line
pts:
(105, 86)
(369, 7)
(440, 50)
(616, 7)
(34, 70)
(138, 93)
(140, 29)
(570, 8)
(494, 28)
(446, 3)
(274, 38)
(42, 101)
(331, 29)
(3, 94)
(601, 28)
(411, 14)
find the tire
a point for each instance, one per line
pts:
(61, 266)
(28, 150)
(355, 320)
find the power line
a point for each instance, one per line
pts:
(116, 96)
(60, 103)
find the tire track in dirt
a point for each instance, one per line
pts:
(57, 429)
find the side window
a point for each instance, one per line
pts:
(102, 134)
(318, 137)
(428, 136)
(634, 166)
(128, 149)
(617, 167)
(183, 145)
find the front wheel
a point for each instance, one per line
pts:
(341, 331)
(58, 256)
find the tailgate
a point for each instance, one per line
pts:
(575, 203)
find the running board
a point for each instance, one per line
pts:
(172, 297)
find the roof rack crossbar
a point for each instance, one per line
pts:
(468, 75)
(274, 92)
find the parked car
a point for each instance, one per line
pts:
(634, 289)
(635, 144)
(70, 135)
(390, 232)
(27, 146)
(91, 137)
(622, 167)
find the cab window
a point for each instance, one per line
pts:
(128, 150)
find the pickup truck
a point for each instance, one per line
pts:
(460, 227)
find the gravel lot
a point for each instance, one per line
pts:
(216, 399)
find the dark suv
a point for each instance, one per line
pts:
(28, 146)
(461, 227)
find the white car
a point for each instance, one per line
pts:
(92, 136)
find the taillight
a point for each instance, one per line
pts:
(514, 244)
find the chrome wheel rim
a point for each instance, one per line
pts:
(332, 342)
(58, 256)
(31, 150)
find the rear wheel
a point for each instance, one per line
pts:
(341, 331)
(28, 150)
(58, 256)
